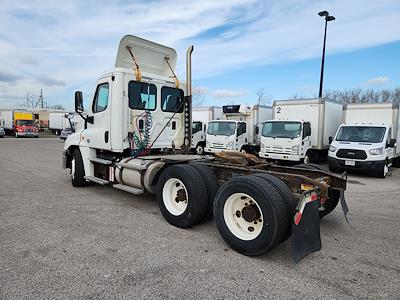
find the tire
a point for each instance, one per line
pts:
(77, 170)
(265, 229)
(333, 169)
(328, 207)
(211, 182)
(383, 171)
(199, 149)
(285, 194)
(312, 166)
(333, 195)
(194, 207)
(307, 158)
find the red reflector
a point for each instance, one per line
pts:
(297, 218)
(314, 197)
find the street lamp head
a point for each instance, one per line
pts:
(323, 13)
(330, 18)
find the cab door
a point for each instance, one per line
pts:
(241, 138)
(97, 135)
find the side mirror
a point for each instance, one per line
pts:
(330, 139)
(392, 143)
(79, 102)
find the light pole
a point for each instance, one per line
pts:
(327, 19)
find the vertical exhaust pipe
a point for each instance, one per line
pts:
(188, 99)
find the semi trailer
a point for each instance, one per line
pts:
(201, 116)
(239, 130)
(368, 139)
(19, 123)
(300, 130)
(137, 138)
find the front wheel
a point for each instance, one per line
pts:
(77, 170)
(199, 149)
(383, 171)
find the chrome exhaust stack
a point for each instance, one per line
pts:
(188, 99)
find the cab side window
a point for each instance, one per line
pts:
(389, 136)
(241, 129)
(100, 102)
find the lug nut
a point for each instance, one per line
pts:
(238, 214)
(251, 229)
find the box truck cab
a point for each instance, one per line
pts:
(363, 143)
(239, 130)
(19, 123)
(300, 130)
(201, 116)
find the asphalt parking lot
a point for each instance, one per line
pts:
(61, 242)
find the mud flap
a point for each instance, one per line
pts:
(343, 203)
(306, 237)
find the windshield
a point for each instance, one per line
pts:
(281, 129)
(24, 122)
(364, 134)
(221, 128)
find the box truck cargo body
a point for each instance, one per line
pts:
(19, 123)
(201, 116)
(59, 121)
(239, 130)
(300, 129)
(367, 139)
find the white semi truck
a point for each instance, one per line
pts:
(368, 139)
(201, 116)
(300, 130)
(239, 130)
(136, 138)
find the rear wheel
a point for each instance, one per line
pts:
(250, 215)
(333, 195)
(182, 195)
(77, 170)
(211, 182)
(285, 194)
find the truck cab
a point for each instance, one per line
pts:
(285, 140)
(226, 135)
(137, 108)
(361, 146)
(198, 136)
(239, 130)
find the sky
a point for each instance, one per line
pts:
(241, 46)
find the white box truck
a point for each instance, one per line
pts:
(239, 130)
(368, 139)
(58, 122)
(300, 130)
(19, 123)
(201, 116)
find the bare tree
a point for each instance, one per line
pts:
(31, 101)
(262, 97)
(198, 95)
(357, 95)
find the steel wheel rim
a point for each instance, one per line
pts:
(199, 149)
(73, 168)
(385, 170)
(174, 192)
(234, 217)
